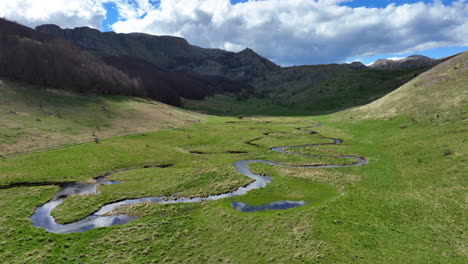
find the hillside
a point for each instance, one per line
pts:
(37, 58)
(33, 119)
(170, 68)
(167, 52)
(349, 89)
(309, 90)
(439, 92)
(175, 54)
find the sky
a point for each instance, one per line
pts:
(288, 32)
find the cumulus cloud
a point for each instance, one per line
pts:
(305, 31)
(288, 32)
(66, 13)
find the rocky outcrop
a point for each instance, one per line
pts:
(411, 62)
(170, 53)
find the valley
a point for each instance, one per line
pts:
(339, 202)
(137, 148)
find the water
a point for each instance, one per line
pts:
(278, 205)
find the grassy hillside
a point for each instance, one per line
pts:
(33, 119)
(350, 89)
(228, 105)
(441, 92)
(309, 90)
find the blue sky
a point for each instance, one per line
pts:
(372, 3)
(288, 32)
(383, 3)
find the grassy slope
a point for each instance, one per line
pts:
(228, 105)
(34, 119)
(350, 89)
(332, 91)
(437, 93)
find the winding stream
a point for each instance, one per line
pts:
(42, 215)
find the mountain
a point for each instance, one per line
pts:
(167, 52)
(440, 92)
(44, 58)
(169, 68)
(30, 56)
(183, 84)
(177, 55)
(411, 62)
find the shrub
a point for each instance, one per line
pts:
(447, 152)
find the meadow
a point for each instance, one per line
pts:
(402, 207)
(406, 205)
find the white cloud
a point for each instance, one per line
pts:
(305, 31)
(288, 32)
(395, 58)
(66, 13)
(131, 9)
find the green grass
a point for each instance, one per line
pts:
(438, 94)
(350, 89)
(340, 90)
(402, 207)
(34, 119)
(228, 105)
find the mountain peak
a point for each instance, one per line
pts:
(248, 51)
(357, 65)
(50, 29)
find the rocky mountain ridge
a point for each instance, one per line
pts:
(167, 52)
(411, 62)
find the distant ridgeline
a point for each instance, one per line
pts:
(164, 68)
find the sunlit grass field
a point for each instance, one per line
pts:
(407, 205)
(35, 119)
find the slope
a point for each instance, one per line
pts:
(308, 90)
(167, 52)
(350, 88)
(33, 119)
(441, 92)
(34, 57)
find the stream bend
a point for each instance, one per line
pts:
(42, 214)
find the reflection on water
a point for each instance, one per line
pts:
(278, 205)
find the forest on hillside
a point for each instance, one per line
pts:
(33, 57)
